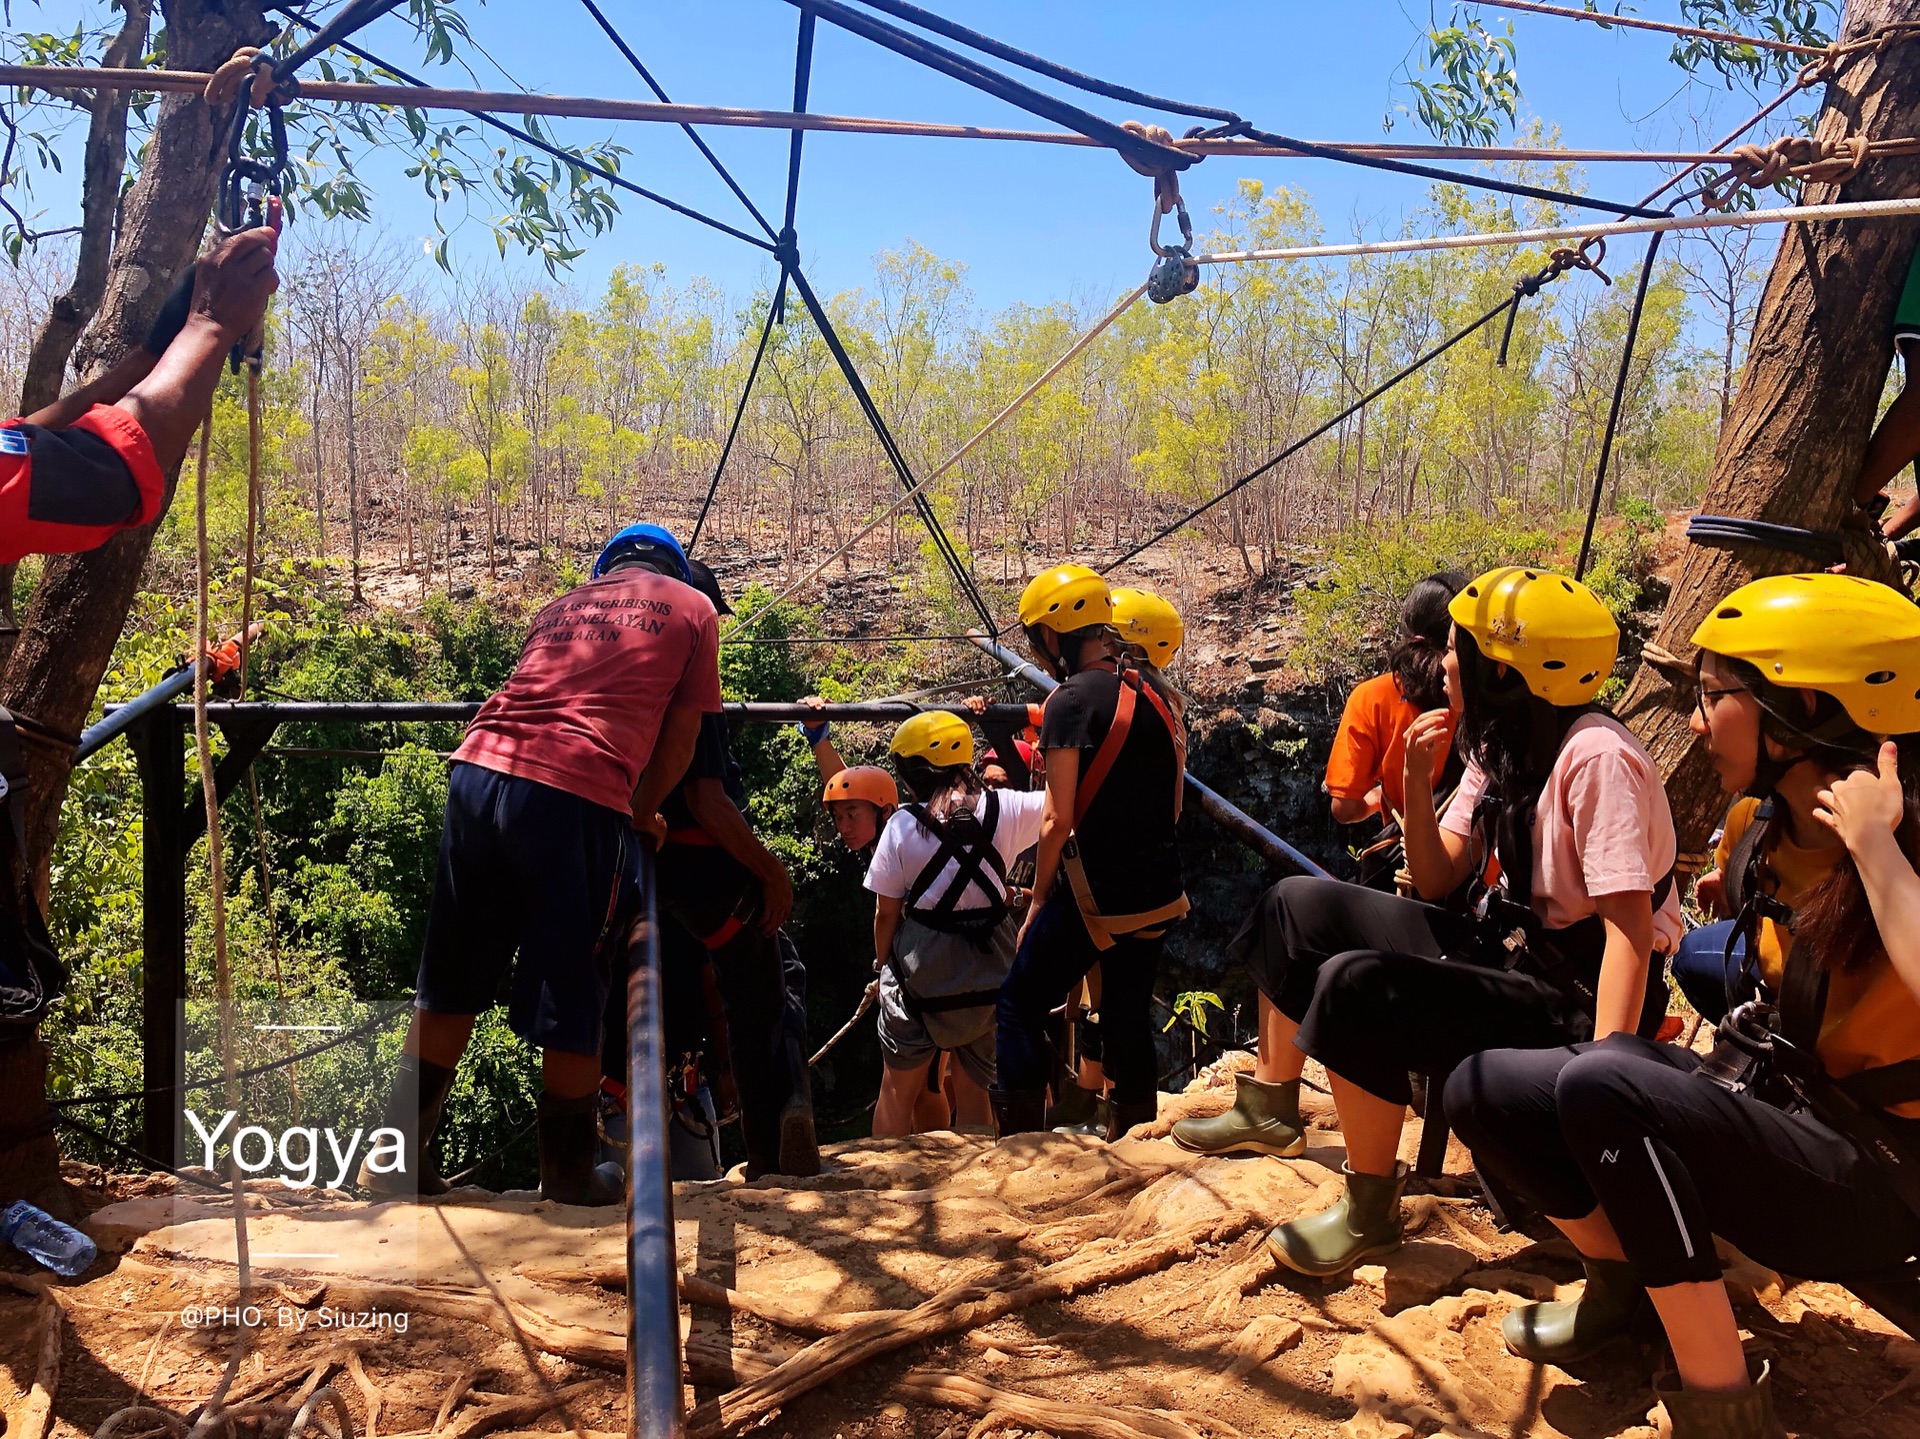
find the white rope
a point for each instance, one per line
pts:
(908, 496)
(1780, 215)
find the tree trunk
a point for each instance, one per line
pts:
(82, 601)
(1798, 426)
(105, 161)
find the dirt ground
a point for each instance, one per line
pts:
(943, 1287)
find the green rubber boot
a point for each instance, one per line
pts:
(1364, 1225)
(1074, 1110)
(1566, 1333)
(1746, 1415)
(1264, 1119)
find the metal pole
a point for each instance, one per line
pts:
(158, 741)
(1234, 820)
(653, 1287)
(119, 718)
(458, 712)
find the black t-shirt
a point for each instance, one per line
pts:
(1127, 838)
(712, 759)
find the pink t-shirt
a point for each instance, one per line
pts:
(1602, 827)
(599, 669)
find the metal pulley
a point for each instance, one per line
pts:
(1174, 274)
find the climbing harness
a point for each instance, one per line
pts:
(1107, 929)
(966, 842)
(1769, 1046)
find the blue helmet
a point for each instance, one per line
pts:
(644, 541)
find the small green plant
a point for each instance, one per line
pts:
(1192, 1007)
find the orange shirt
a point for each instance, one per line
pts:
(1872, 1018)
(1371, 745)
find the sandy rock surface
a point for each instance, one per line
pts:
(1050, 1285)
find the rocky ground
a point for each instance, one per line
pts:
(938, 1287)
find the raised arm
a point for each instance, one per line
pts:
(1865, 809)
(1438, 859)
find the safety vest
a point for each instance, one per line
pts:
(1106, 929)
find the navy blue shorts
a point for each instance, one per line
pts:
(529, 870)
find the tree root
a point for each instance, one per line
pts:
(456, 1391)
(1051, 1416)
(960, 1308)
(36, 1415)
(502, 1412)
(374, 1396)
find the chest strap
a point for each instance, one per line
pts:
(968, 845)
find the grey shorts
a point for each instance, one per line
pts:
(944, 964)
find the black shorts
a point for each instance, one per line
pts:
(529, 870)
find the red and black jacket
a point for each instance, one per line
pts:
(67, 490)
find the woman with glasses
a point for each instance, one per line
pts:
(1642, 1153)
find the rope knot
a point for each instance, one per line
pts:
(223, 86)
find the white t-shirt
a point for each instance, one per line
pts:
(907, 846)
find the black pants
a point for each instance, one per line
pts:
(1057, 953)
(1628, 1126)
(1367, 978)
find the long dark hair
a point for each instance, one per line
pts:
(1418, 654)
(1836, 920)
(941, 788)
(1505, 728)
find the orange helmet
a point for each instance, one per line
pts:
(863, 781)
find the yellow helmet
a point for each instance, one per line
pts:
(939, 738)
(1146, 620)
(1552, 629)
(1066, 598)
(1839, 634)
(863, 781)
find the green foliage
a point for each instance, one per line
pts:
(1799, 22)
(1192, 1006)
(1472, 81)
(1348, 618)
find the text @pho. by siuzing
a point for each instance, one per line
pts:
(287, 1316)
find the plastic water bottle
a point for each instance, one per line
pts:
(37, 1234)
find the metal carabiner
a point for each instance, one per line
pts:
(1185, 247)
(247, 182)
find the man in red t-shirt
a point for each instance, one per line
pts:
(595, 726)
(95, 462)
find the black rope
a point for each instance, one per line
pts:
(579, 162)
(740, 410)
(1431, 172)
(1619, 399)
(352, 16)
(1820, 546)
(872, 411)
(1520, 293)
(364, 1027)
(987, 45)
(692, 134)
(1153, 158)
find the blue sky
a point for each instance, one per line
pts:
(1030, 223)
